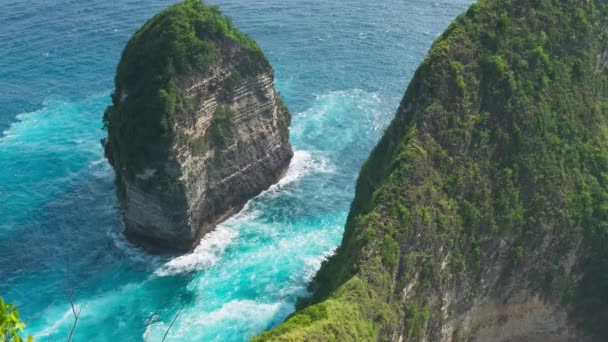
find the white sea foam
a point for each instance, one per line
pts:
(51, 329)
(150, 328)
(236, 310)
(206, 254)
(11, 132)
(211, 247)
(312, 266)
(341, 120)
(302, 164)
(97, 162)
(214, 244)
(247, 314)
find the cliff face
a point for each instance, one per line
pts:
(196, 128)
(482, 214)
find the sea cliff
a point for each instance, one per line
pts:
(196, 127)
(482, 213)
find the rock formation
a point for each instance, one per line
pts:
(482, 214)
(195, 128)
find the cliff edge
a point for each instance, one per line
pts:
(195, 128)
(482, 214)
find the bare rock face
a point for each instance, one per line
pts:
(196, 128)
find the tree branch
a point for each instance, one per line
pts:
(70, 292)
(172, 322)
(178, 313)
(76, 314)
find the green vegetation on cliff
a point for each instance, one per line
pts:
(500, 139)
(187, 39)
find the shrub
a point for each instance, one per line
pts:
(221, 126)
(389, 250)
(493, 66)
(10, 325)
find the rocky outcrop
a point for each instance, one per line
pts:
(192, 137)
(482, 213)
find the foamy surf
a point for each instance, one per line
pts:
(211, 247)
(245, 315)
(51, 329)
(206, 254)
(214, 244)
(302, 164)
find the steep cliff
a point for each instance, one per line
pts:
(195, 128)
(482, 213)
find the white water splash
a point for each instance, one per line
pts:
(67, 317)
(249, 315)
(205, 255)
(214, 244)
(302, 164)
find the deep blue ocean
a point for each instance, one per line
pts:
(342, 67)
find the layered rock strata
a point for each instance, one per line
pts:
(196, 127)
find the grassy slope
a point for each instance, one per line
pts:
(501, 135)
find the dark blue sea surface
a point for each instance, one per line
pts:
(342, 67)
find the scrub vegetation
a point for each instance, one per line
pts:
(501, 136)
(11, 326)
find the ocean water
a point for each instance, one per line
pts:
(342, 67)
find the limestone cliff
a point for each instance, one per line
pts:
(482, 214)
(195, 129)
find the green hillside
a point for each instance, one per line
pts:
(500, 143)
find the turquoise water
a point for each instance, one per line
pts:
(341, 67)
